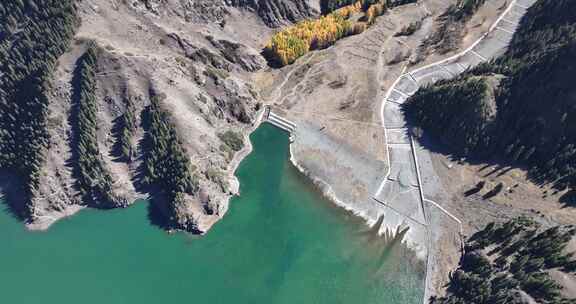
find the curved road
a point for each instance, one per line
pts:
(401, 153)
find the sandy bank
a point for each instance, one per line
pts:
(44, 221)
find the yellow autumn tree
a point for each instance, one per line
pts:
(374, 11)
(295, 41)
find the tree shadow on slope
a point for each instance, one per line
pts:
(99, 193)
(160, 213)
(118, 126)
(493, 165)
(568, 199)
(155, 213)
(123, 130)
(489, 159)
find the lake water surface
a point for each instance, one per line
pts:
(280, 242)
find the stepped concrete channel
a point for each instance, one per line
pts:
(409, 182)
(279, 121)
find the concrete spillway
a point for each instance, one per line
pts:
(279, 121)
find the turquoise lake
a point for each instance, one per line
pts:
(280, 242)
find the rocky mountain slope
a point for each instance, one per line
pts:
(277, 12)
(105, 102)
(521, 108)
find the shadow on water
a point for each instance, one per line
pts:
(388, 244)
(282, 242)
(372, 232)
(160, 214)
(157, 210)
(156, 214)
(12, 195)
(392, 246)
(380, 248)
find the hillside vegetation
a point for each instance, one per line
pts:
(295, 41)
(94, 180)
(128, 126)
(33, 34)
(167, 167)
(510, 263)
(529, 118)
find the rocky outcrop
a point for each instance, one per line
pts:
(224, 54)
(238, 54)
(273, 13)
(276, 12)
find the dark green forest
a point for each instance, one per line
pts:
(93, 179)
(167, 167)
(328, 6)
(503, 261)
(33, 34)
(128, 126)
(528, 118)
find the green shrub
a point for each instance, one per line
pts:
(232, 139)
